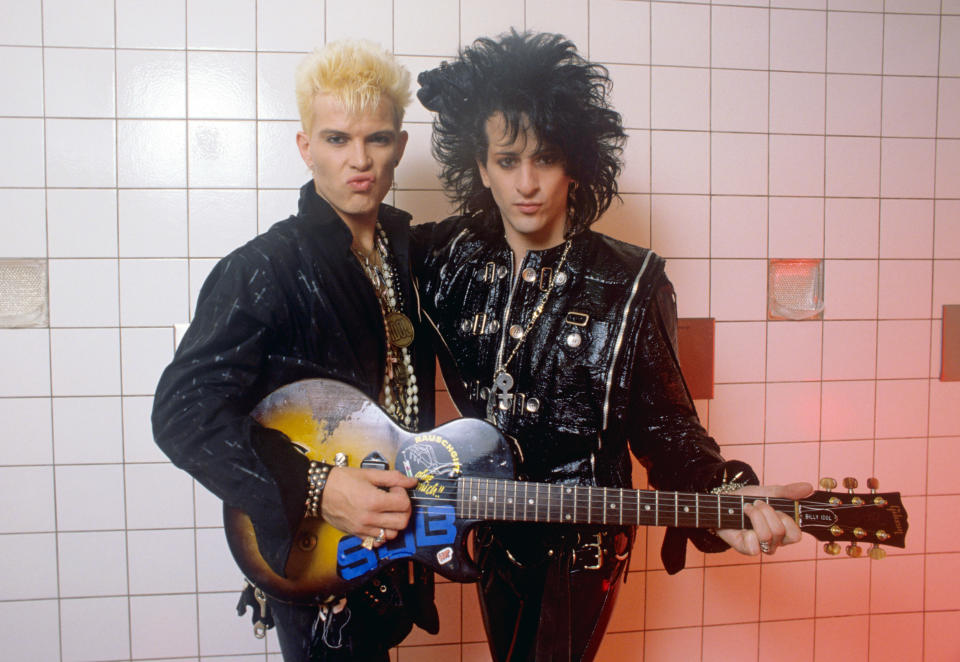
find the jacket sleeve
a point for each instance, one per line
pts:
(666, 434)
(201, 414)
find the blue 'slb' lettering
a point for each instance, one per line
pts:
(353, 559)
(432, 526)
(435, 526)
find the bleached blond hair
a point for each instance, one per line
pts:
(356, 72)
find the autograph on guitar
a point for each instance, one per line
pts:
(467, 475)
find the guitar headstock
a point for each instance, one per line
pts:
(873, 517)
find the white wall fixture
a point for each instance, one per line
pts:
(23, 294)
(795, 289)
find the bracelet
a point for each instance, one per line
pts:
(731, 485)
(316, 480)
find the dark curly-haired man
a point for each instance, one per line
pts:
(561, 336)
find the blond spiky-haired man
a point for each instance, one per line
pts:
(309, 298)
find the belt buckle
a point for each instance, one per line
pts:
(597, 546)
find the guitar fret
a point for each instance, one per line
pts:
(719, 512)
(589, 505)
(525, 486)
(676, 508)
(656, 509)
(696, 506)
(486, 492)
(560, 516)
(621, 507)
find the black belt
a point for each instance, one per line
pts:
(586, 548)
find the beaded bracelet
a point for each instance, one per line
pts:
(316, 480)
(729, 485)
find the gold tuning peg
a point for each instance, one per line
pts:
(850, 483)
(832, 548)
(854, 550)
(828, 483)
(876, 552)
(873, 484)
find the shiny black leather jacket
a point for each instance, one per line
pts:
(291, 304)
(597, 373)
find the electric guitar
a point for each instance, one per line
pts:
(466, 475)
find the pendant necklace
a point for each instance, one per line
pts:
(502, 380)
(400, 395)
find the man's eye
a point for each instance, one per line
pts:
(336, 140)
(548, 159)
(381, 140)
(507, 162)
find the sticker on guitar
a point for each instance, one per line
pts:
(423, 454)
(433, 526)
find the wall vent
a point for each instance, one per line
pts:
(23, 294)
(795, 289)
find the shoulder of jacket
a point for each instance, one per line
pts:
(619, 257)
(280, 243)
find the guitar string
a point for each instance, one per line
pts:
(685, 498)
(704, 500)
(664, 505)
(707, 515)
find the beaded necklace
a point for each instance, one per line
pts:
(400, 394)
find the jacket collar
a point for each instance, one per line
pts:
(394, 221)
(335, 237)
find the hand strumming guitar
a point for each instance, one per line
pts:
(363, 502)
(771, 528)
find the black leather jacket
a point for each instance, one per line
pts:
(597, 372)
(291, 304)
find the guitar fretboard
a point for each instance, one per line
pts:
(519, 501)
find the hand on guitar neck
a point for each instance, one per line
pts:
(364, 501)
(769, 526)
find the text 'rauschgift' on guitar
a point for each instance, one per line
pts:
(466, 473)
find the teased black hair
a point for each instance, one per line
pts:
(535, 78)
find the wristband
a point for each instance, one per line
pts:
(316, 480)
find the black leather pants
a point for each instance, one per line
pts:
(543, 598)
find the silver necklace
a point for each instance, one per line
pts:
(502, 380)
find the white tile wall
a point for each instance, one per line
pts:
(27, 237)
(144, 140)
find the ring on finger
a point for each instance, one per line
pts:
(766, 547)
(381, 537)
